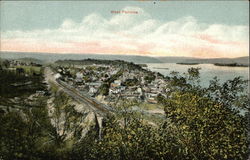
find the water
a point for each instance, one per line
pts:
(207, 72)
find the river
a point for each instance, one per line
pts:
(207, 72)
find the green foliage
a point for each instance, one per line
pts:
(31, 69)
(26, 131)
(131, 82)
(149, 78)
(200, 124)
(193, 73)
(206, 129)
(13, 84)
(13, 137)
(25, 134)
(104, 89)
(4, 63)
(231, 94)
(135, 141)
(115, 76)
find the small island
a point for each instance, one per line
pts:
(231, 64)
(160, 68)
(187, 63)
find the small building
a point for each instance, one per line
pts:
(92, 90)
(79, 75)
(58, 75)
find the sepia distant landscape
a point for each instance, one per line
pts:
(135, 80)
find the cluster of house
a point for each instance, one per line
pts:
(89, 79)
(141, 91)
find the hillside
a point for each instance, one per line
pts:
(51, 57)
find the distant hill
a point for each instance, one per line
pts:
(174, 59)
(186, 60)
(52, 57)
(239, 60)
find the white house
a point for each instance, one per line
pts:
(58, 75)
(92, 90)
(79, 75)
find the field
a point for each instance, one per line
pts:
(30, 69)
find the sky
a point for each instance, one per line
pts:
(203, 29)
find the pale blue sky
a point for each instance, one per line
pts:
(165, 28)
(31, 15)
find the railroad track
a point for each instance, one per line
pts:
(94, 105)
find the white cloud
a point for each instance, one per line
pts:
(139, 32)
(68, 24)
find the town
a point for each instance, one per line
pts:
(110, 83)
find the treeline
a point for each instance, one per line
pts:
(119, 63)
(231, 64)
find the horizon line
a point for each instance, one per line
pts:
(118, 55)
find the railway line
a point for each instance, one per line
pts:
(93, 104)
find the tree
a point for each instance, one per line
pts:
(205, 129)
(13, 134)
(206, 121)
(198, 125)
(231, 94)
(104, 89)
